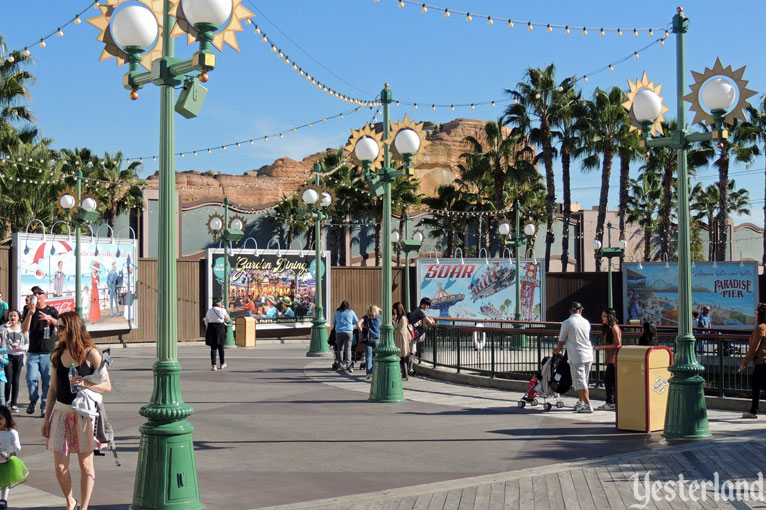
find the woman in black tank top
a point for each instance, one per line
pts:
(66, 429)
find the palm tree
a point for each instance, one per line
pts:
(568, 125)
(628, 151)
(15, 116)
(742, 148)
(475, 184)
(606, 119)
(536, 101)
(443, 227)
(120, 189)
(286, 217)
(643, 206)
(755, 130)
(706, 202)
(404, 195)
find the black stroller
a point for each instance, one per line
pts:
(552, 380)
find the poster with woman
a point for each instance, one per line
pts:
(108, 271)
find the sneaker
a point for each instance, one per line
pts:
(578, 406)
(607, 407)
(750, 415)
(215, 368)
(586, 408)
(350, 369)
(222, 366)
(369, 376)
(15, 409)
(42, 411)
(31, 407)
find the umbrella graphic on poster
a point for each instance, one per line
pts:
(49, 249)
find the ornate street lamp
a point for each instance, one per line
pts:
(724, 94)
(318, 212)
(516, 240)
(373, 151)
(407, 246)
(610, 253)
(166, 475)
(84, 214)
(217, 227)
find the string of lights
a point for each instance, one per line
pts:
(59, 32)
(529, 24)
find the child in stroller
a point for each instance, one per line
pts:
(540, 384)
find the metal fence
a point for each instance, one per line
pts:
(513, 350)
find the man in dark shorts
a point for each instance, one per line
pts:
(419, 320)
(40, 321)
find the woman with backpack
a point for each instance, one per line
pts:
(370, 328)
(402, 336)
(344, 321)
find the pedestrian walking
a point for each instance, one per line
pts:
(402, 336)
(344, 321)
(12, 470)
(40, 322)
(612, 336)
(418, 319)
(215, 332)
(16, 343)
(370, 328)
(756, 352)
(575, 334)
(649, 334)
(67, 430)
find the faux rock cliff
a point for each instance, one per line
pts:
(266, 185)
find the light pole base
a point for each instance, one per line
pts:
(686, 416)
(319, 348)
(229, 343)
(386, 384)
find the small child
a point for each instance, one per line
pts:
(533, 388)
(12, 470)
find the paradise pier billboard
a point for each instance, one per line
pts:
(481, 289)
(275, 287)
(730, 289)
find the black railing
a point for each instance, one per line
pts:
(502, 349)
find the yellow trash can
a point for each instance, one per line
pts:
(642, 387)
(244, 333)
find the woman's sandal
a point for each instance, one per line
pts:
(76, 505)
(3, 504)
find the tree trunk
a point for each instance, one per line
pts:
(712, 227)
(624, 184)
(550, 183)
(648, 241)
(665, 208)
(723, 202)
(565, 176)
(606, 172)
(398, 246)
(290, 235)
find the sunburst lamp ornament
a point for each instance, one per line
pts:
(645, 107)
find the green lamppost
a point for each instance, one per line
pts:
(83, 215)
(516, 240)
(230, 234)
(318, 213)
(610, 253)
(719, 88)
(407, 246)
(366, 144)
(166, 474)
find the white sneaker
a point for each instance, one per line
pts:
(606, 407)
(586, 408)
(578, 406)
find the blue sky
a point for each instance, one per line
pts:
(354, 47)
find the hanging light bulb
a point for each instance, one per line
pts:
(510, 23)
(650, 33)
(280, 54)
(42, 43)
(60, 33)
(601, 32)
(493, 104)
(471, 106)
(77, 20)
(264, 39)
(415, 106)
(515, 101)
(433, 107)
(489, 21)
(401, 4)
(585, 78)
(619, 32)
(265, 138)
(257, 29)
(273, 49)
(611, 68)
(566, 30)
(452, 107)
(529, 26)
(424, 9)
(584, 30)
(26, 52)
(468, 17)
(635, 33)
(549, 28)
(635, 55)
(446, 13)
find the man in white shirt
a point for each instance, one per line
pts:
(575, 333)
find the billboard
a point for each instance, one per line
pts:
(730, 289)
(276, 288)
(482, 289)
(108, 279)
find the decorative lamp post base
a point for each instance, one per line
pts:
(229, 343)
(686, 416)
(518, 340)
(166, 474)
(386, 375)
(319, 348)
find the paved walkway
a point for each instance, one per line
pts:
(277, 428)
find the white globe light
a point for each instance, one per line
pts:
(623, 244)
(504, 229)
(216, 12)
(529, 229)
(596, 244)
(366, 149)
(135, 25)
(407, 141)
(395, 236)
(236, 224)
(418, 237)
(326, 199)
(646, 106)
(67, 201)
(310, 197)
(215, 224)
(718, 94)
(89, 204)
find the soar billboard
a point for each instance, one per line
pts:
(276, 288)
(108, 279)
(730, 289)
(481, 288)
